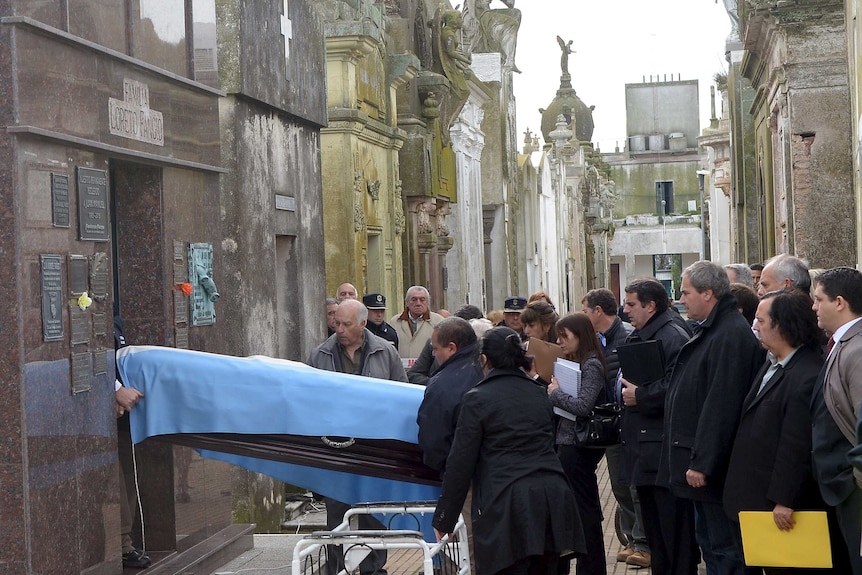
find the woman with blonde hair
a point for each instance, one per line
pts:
(539, 319)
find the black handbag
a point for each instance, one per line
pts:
(599, 429)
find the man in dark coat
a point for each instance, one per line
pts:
(770, 465)
(600, 305)
(376, 304)
(456, 348)
(710, 380)
(668, 520)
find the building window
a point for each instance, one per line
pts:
(664, 198)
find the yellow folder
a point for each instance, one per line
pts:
(765, 545)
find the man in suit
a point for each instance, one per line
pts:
(770, 466)
(668, 520)
(836, 398)
(710, 380)
(784, 272)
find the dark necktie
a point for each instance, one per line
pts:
(829, 346)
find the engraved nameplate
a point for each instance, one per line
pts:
(79, 322)
(52, 297)
(99, 275)
(100, 362)
(93, 222)
(182, 337)
(81, 378)
(181, 307)
(79, 270)
(60, 200)
(100, 324)
(132, 116)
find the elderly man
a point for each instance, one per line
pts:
(836, 400)
(600, 305)
(710, 380)
(668, 520)
(415, 323)
(739, 274)
(784, 272)
(331, 307)
(353, 349)
(376, 304)
(346, 291)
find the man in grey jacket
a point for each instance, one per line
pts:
(353, 349)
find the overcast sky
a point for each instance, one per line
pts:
(616, 42)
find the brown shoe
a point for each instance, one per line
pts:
(623, 555)
(639, 559)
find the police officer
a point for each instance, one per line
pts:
(376, 304)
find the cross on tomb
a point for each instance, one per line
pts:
(286, 31)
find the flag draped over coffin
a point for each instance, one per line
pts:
(193, 392)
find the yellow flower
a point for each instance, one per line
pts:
(84, 301)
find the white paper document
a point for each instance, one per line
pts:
(568, 374)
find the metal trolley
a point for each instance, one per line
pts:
(447, 557)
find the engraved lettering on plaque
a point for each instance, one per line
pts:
(60, 200)
(181, 307)
(52, 297)
(179, 251)
(93, 222)
(100, 324)
(81, 378)
(182, 337)
(99, 275)
(132, 116)
(79, 322)
(79, 268)
(100, 362)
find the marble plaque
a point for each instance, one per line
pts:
(79, 321)
(52, 297)
(99, 275)
(79, 268)
(93, 222)
(60, 200)
(100, 362)
(81, 370)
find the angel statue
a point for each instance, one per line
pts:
(564, 58)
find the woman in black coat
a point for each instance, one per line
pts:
(524, 514)
(770, 465)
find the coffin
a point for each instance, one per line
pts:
(344, 436)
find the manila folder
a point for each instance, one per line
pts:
(765, 545)
(545, 354)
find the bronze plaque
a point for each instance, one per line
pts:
(179, 251)
(79, 268)
(100, 324)
(181, 307)
(60, 200)
(181, 273)
(93, 222)
(99, 275)
(52, 297)
(80, 324)
(81, 378)
(100, 362)
(182, 337)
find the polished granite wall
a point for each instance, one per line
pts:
(59, 483)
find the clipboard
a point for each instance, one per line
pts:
(642, 361)
(806, 545)
(545, 354)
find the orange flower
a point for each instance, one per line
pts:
(186, 288)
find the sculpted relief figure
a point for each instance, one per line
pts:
(456, 65)
(498, 30)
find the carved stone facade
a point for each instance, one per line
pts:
(796, 60)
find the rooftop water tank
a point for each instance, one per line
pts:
(677, 141)
(637, 143)
(657, 142)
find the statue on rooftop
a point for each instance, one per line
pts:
(564, 58)
(496, 31)
(733, 14)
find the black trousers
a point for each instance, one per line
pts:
(669, 527)
(534, 565)
(580, 467)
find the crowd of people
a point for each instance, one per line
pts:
(753, 406)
